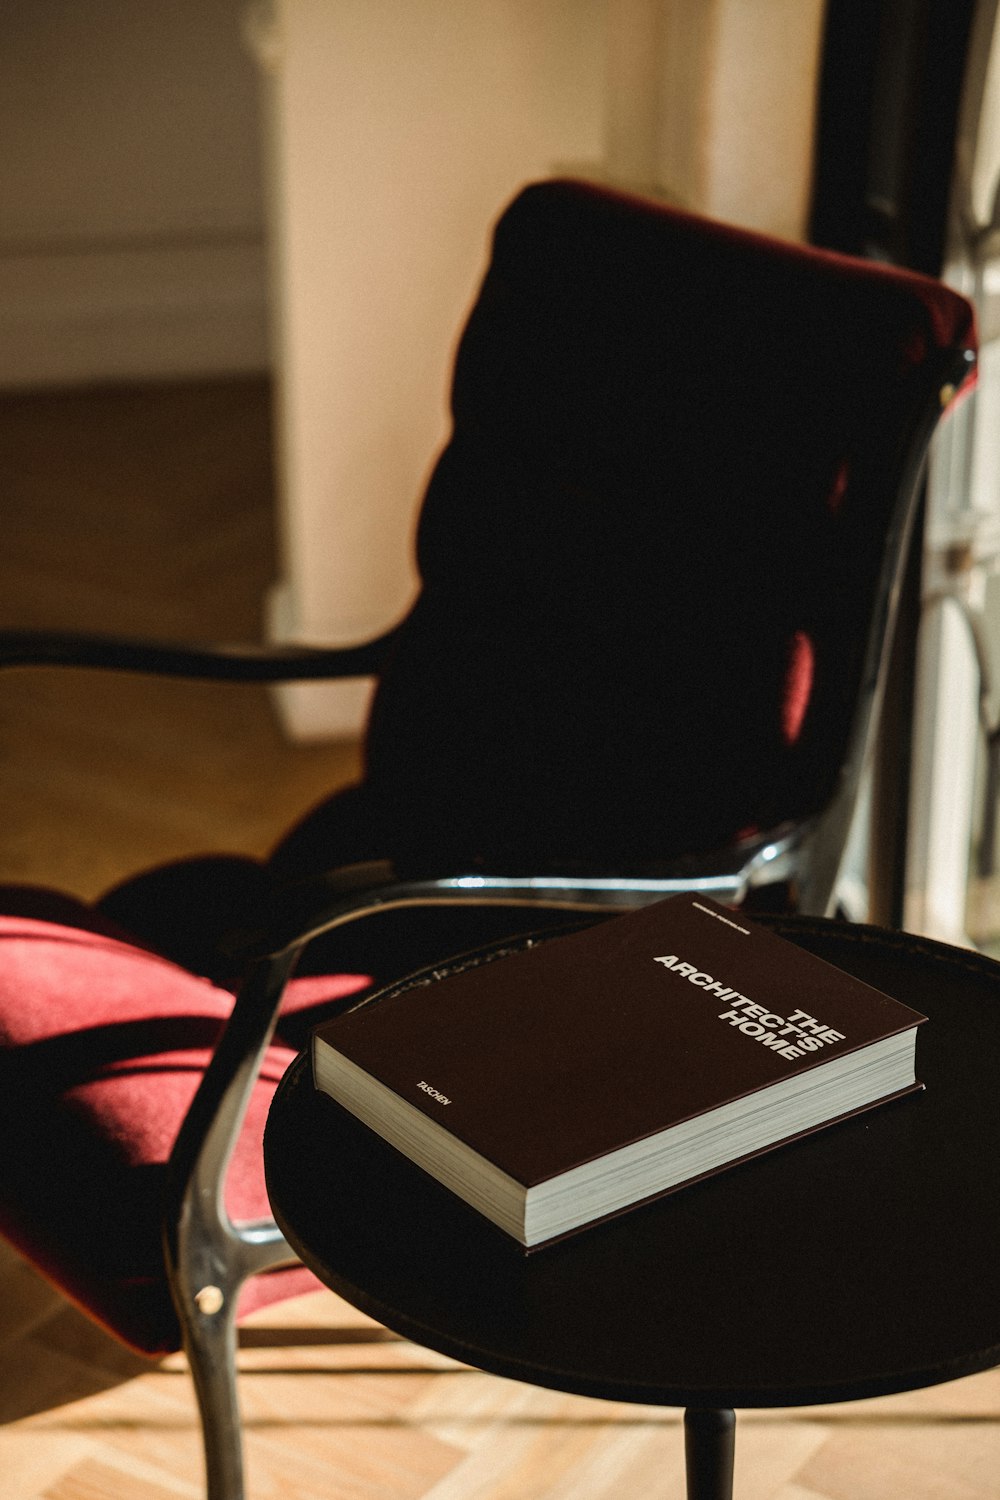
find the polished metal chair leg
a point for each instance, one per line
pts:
(210, 1344)
(207, 1255)
(709, 1448)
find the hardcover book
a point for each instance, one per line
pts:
(560, 1085)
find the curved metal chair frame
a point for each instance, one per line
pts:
(207, 1255)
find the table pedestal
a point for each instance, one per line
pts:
(709, 1452)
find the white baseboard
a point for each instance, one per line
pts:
(315, 711)
(132, 313)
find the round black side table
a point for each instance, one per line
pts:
(860, 1261)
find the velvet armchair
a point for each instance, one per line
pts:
(659, 558)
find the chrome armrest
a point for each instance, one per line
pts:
(206, 1252)
(303, 910)
(220, 663)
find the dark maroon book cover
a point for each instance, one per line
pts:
(549, 1058)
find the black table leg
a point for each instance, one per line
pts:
(709, 1446)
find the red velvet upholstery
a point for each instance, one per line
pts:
(102, 1045)
(650, 555)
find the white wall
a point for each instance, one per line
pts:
(131, 216)
(713, 102)
(397, 133)
(760, 87)
(133, 232)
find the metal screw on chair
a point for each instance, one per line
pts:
(209, 1300)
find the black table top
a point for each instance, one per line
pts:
(862, 1260)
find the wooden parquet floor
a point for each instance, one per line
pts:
(150, 510)
(146, 511)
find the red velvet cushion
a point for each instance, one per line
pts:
(650, 559)
(102, 1045)
(650, 553)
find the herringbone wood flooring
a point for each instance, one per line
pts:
(146, 511)
(150, 511)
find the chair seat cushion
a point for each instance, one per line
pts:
(102, 1045)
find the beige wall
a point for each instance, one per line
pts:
(734, 125)
(712, 103)
(396, 134)
(397, 131)
(131, 210)
(761, 88)
(136, 239)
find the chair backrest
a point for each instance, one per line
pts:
(655, 553)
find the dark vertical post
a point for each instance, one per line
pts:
(709, 1448)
